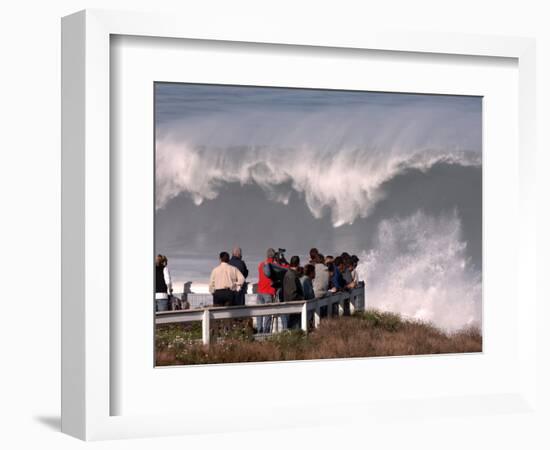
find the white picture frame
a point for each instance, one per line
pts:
(86, 242)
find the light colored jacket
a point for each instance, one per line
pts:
(320, 282)
(225, 276)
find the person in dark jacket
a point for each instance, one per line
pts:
(292, 290)
(237, 262)
(163, 284)
(307, 281)
(337, 280)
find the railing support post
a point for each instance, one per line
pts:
(317, 316)
(304, 317)
(206, 327)
(352, 300)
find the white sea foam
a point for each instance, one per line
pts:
(346, 181)
(418, 267)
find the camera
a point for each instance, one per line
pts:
(280, 256)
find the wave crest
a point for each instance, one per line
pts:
(347, 181)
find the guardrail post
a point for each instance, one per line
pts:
(304, 317)
(359, 295)
(206, 327)
(341, 306)
(317, 315)
(346, 297)
(329, 309)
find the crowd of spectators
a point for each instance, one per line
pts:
(282, 281)
(278, 281)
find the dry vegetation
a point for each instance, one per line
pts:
(371, 333)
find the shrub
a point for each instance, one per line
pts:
(384, 320)
(371, 333)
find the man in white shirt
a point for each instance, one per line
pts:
(225, 282)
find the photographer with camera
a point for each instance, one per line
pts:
(266, 292)
(271, 275)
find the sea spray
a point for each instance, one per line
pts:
(418, 268)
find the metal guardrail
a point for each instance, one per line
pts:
(356, 298)
(204, 300)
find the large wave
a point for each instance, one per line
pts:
(336, 156)
(346, 181)
(418, 267)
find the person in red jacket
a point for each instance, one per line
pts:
(266, 293)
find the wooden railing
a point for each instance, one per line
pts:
(355, 298)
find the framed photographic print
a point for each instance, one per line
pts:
(353, 185)
(251, 212)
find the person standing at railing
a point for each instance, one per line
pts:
(307, 281)
(354, 274)
(266, 292)
(337, 280)
(275, 271)
(292, 291)
(225, 282)
(163, 284)
(237, 262)
(345, 269)
(320, 282)
(313, 254)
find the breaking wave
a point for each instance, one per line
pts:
(345, 181)
(418, 267)
(337, 156)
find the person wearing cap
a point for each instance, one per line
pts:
(266, 293)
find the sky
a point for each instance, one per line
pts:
(237, 115)
(176, 101)
(363, 172)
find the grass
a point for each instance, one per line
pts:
(370, 333)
